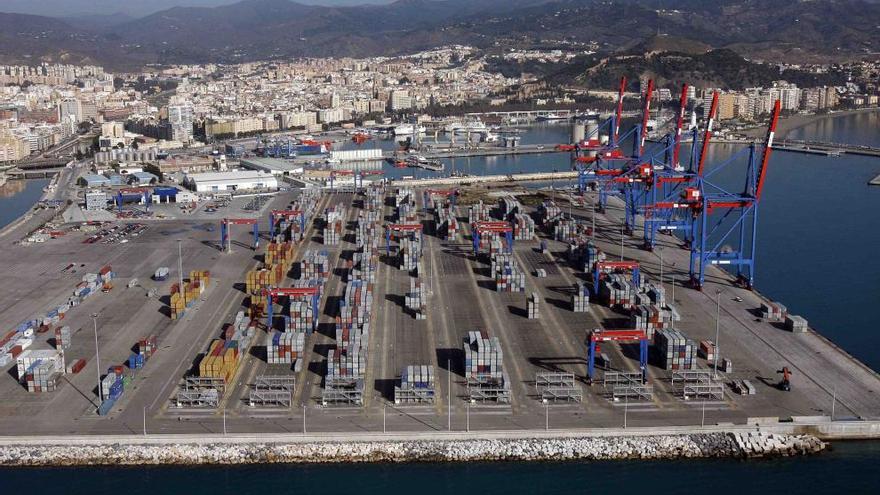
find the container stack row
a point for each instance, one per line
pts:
(674, 350)
(334, 224)
(483, 360)
(415, 299)
(410, 253)
(315, 265)
(508, 276)
(279, 253)
(653, 317)
(548, 212)
(580, 300)
(447, 223)
(796, 324)
(416, 385)
(62, 337)
(523, 227)
(773, 311)
(478, 212)
(533, 306)
(40, 370)
(284, 347)
(617, 289)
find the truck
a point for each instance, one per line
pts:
(161, 273)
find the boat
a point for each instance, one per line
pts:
(422, 162)
(407, 129)
(551, 117)
(476, 125)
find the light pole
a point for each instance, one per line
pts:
(660, 253)
(717, 329)
(546, 415)
(145, 420)
(384, 407)
(304, 419)
(224, 421)
(180, 265)
(449, 394)
(97, 357)
(625, 409)
(468, 416)
(703, 418)
(833, 402)
(621, 243)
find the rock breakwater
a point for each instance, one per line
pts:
(697, 445)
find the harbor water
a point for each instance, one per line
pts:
(818, 232)
(848, 468)
(17, 197)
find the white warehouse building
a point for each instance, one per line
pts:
(239, 180)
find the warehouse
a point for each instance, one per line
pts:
(92, 180)
(240, 180)
(274, 166)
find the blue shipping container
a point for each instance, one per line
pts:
(106, 406)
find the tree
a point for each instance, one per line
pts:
(134, 145)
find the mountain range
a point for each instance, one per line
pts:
(781, 30)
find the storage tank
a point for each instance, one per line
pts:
(577, 132)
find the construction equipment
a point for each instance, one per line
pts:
(731, 237)
(311, 294)
(225, 234)
(401, 229)
(276, 215)
(483, 228)
(600, 335)
(785, 383)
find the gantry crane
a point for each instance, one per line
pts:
(310, 294)
(225, 233)
(400, 228)
(481, 228)
(276, 215)
(601, 335)
(601, 267)
(731, 236)
(451, 194)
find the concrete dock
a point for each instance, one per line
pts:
(461, 298)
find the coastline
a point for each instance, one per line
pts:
(711, 442)
(793, 122)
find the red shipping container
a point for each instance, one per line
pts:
(119, 370)
(105, 270)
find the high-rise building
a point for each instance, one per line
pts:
(400, 100)
(726, 106)
(181, 119)
(70, 107)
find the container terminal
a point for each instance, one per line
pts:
(407, 308)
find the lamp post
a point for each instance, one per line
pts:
(97, 358)
(717, 329)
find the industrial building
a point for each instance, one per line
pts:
(93, 180)
(231, 181)
(274, 166)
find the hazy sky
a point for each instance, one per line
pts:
(66, 8)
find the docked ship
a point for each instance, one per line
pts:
(422, 162)
(407, 130)
(472, 126)
(551, 117)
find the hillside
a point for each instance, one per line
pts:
(791, 30)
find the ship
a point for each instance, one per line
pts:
(422, 162)
(463, 128)
(550, 117)
(407, 129)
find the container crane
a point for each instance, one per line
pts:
(734, 216)
(310, 294)
(451, 194)
(599, 335)
(482, 228)
(601, 267)
(276, 215)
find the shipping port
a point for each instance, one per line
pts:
(405, 308)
